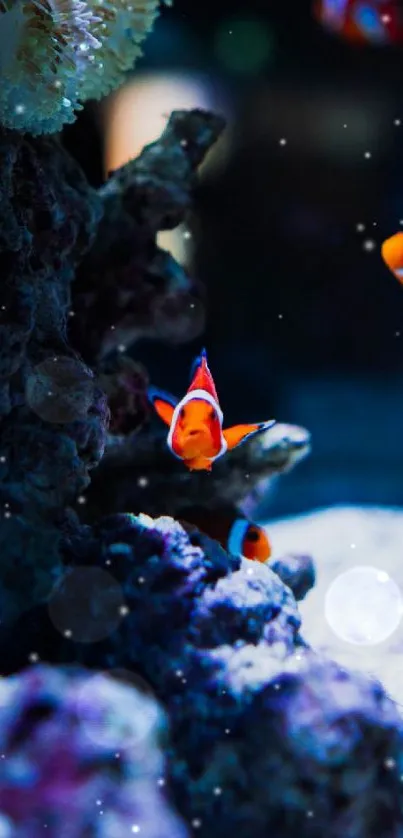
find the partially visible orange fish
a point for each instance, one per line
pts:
(236, 534)
(196, 435)
(392, 255)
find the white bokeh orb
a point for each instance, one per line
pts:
(363, 606)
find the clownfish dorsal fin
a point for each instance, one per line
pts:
(200, 375)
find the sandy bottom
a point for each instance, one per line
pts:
(339, 539)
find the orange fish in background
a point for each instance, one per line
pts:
(392, 255)
(196, 435)
(236, 534)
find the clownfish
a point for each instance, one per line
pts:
(376, 22)
(196, 434)
(392, 255)
(236, 534)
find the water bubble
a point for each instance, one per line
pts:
(60, 389)
(6, 829)
(106, 729)
(362, 606)
(87, 603)
(179, 317)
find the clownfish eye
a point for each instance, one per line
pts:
(213, 413)
(182, 413)
(252, 535)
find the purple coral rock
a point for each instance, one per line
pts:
(288, 745)
(80, 756)
(297, 572)
(267, 738)
(248, 605)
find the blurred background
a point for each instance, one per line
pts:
(305, 322)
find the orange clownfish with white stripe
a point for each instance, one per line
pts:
(196, 435)
(233, 531)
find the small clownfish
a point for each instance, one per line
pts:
(196, 435)
(392, 255)
(236, 534)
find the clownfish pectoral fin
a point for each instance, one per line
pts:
(239, 433)
(163, 403)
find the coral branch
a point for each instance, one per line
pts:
(140, 474)
(127, 287)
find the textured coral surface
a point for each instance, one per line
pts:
(262, 736)
(80, 756)
(56, 54)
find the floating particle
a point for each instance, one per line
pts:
(363, 607)
(369, 245)
(390, 763)
(283, 141)
(360, 228)
(367, 154)
(87, 602)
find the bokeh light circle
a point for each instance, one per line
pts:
(60, 389)
(363, 606)
(102, 725)
(244, 45)
(87, 604)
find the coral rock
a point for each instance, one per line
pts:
(297, 572)
(60, 389)
(128, 288)
(266, 736)
(140, 474)
(80, 751)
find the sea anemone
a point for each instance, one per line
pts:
(56, 54)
